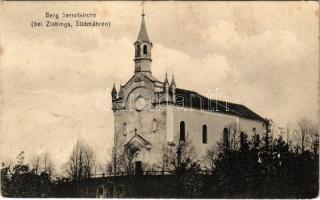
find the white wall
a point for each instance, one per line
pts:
(215, 121)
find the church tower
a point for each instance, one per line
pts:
(143, 45)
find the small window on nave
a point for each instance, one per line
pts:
(154, 125)
(182, 131)
(124, 129)
(204, 134)
(145, 49)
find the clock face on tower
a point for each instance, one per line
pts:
(141, 104)
(139, 99)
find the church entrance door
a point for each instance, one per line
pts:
(138, 168)
(138, 163)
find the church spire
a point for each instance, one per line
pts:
(166, 79)
(166, 83)
(143, 47)
(173, 84)
(143, 35)
(114, 92)
(173, 89)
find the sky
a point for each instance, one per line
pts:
(55, 82)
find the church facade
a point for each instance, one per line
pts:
(150, 114)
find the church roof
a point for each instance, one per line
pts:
(143, 35)
(136, 77)
(195, 100)
(150, 77)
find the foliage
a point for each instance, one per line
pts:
(192, 181)
(81, 162)
(179, 154)
(269, 168)
(21, 181)
(255, 166)
(179, 158)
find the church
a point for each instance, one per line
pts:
(150, 114)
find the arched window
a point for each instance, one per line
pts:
(138, 50)
(124, 129)
(154, 125)
(204, 134)
(145, 49)
(182, 131)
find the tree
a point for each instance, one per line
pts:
(113, 166)
(244, 146)
(42, 163)
(21, 181)
(314, 136)
(307, 135)
(226, 141)
(209, 157)
(36, 163)
(266, 139)
(121, 160)
(48, 166)
(192, 181)
(20, 158)
(233, 132)
(81, 162)
(179, 159)
(304, 126)
(256, 140)
(5, 179)
(179, 153)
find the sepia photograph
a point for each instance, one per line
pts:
(159, 99)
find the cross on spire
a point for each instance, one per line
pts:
(143, 35)
(142, 5)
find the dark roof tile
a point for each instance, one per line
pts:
(193, 99)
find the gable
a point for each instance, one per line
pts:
(137, 141)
